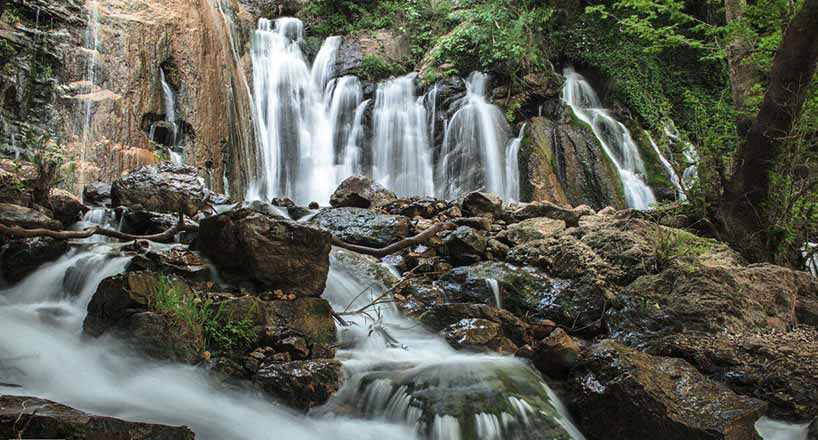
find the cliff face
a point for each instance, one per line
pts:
(100, 103)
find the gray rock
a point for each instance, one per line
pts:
(363, 227)
(465, 245)
(46, 419)
(270, 253)
(21, 257)
(300, 384)
(361, 192)
(482, 204)
(97, 194)
(16, 215)
(163, 187)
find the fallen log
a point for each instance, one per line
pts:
(397, 246)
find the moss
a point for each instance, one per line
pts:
(656, 176)
(376, 68)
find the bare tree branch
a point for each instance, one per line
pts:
(394, 247)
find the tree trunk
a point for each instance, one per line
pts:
(742, 212)
(742, 74)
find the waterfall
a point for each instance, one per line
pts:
(691, 172)
(401, 144)
(92, 46)
(43, 342)
(674, 178)
(169, 105)
(345, 98)
(323, 68)
(351, 164)
(512, 188)
(472, 154)
(295, 157)
(614, 137)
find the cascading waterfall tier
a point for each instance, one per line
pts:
(295, 157)
(401, 145)
(398, 372)
(472, 155)
(614, 137)
(512, 189)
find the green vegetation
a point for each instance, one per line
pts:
(375, 68)
(174, 299)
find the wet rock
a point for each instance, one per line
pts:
(812, 431)
(16, 215)
(363, 227)
(482, 204)
(538, 228)
(361, 192)
(479, 223)
(556, 354)
(306, 318)
(300, 384)
(425, 207)
(777, 366)
(656, 397)
(175, 259)
(163, 187)
(120, 296)
(143, 222)
(67, 208)
(32, 417)
(524, 291)
(465, 245)
(478, 335)
(270, 253)
(161, 336)
(456, 317)
(21, 257)
(549, 210)
(97, 194)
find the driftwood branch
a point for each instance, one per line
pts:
(397, 246)
(162, 237)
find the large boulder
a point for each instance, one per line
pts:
(538, 228)
(269, 252)
(67, 208)
(20, 257)
(656, 397)
(126, 306)
(363, 227)
(174, 259)
(16, 215)
(361, 192)
(32, 417)
(555, 354)
(465, 245)
(550, 210)
(16, 181)
(300, 384)
(163, 187)
(482, 204)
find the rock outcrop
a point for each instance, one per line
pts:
(163, 187)
(31, 417)
(363, 227)
(361, 192)
(20, 257)
(655, 397)
(270, 253)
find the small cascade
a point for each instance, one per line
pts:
(495, 289)
(472, 156)
(91, 45)
(512, 187)
(614, 137)
(344, 119)
(401, 145)
(295, 154)
(398, 372)
(671, 173)
(169, 105)
(691, 157)
(352, 162)
(323, 67)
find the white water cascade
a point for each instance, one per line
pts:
(346, 110)
(401, 144)
(512, 188)
(92, 46)
(400, 373)
(294, 154)
(671, 173)
(691, 157)
(614, 137)
(169, 104)
(472, 156)
(42, 337)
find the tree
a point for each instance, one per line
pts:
(742, 213)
